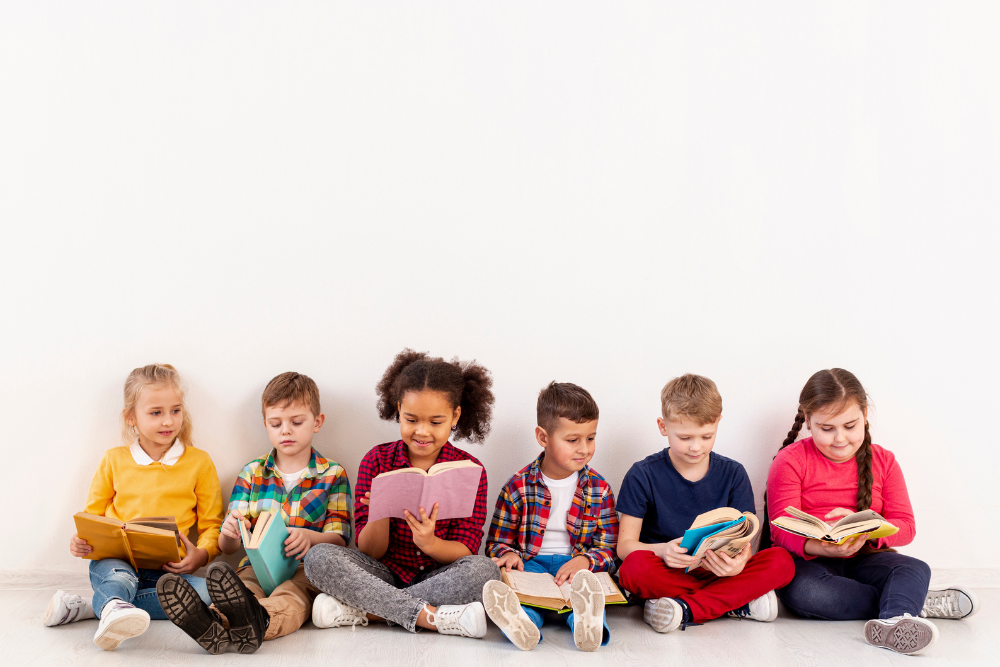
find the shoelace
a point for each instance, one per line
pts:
(742, 612)
(446, 619)
(940, 605)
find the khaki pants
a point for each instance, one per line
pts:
(289, 605)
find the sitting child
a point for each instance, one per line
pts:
(660, 498)
(313, 496)
(556, 515)
(158, 472)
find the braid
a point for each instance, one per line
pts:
(800, 419)
(865, 476)
(765, 533)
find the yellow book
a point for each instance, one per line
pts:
(146, 542)
(868, 523)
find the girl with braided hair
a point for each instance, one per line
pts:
(834, 473)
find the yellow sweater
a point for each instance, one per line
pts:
(189, 490)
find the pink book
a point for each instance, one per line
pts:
(452, 485)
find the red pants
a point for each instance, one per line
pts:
(645, 574)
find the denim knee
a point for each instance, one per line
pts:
(481, 568)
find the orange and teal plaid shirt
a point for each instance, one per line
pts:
(321, 501)
(522, 513)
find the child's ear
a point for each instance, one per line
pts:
(542, 437)
(662, 425)
(320, 419)
(455, 417)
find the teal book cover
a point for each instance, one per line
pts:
(266, 550)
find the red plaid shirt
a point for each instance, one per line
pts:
(402, 557)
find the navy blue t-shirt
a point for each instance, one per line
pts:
(667, 503)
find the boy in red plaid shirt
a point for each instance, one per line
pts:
(556, 515)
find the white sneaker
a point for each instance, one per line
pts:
(467, 620)
(119, 621)
(954, 603)
(902, 634)
(763, 609)
(663, 615)
(67, 608)
(504, 609)
(329, 612)
(587, 597)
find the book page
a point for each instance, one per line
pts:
(449, 465)
(858, 517)
(535, 584)
(263, 521)
(823, 526)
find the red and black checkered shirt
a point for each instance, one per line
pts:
(403, 557)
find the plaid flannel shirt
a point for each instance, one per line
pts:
(523, 511)
(402, 556)
(321, 501)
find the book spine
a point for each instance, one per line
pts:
(128, 550)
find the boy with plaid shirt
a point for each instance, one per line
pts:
(556, 516)
(312, 495)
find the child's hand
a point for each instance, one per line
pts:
(571, 567)
(423, 528)
(846, 550)
(194, 559)
(367, 500)
(79, 547)
(298, 542)
(722, 565)
(674, 555)
(838, 513)
(510, 560)
(231, 526)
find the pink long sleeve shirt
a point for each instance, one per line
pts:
(802, 477)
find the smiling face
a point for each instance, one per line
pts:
(158, 416)
(568, 447)
(290, 428)
(425, 421)
(690, 444)
(838, 436)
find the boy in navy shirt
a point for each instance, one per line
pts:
(660, 498)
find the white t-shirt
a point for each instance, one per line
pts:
(555, 540)
(290, 479)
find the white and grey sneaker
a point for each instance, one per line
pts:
(504, 609)
(956, 603)
(119, 621)
(763, 609)
(67, 608)
(663, 614)
(329, 612)
(466, 620)
(903, 634)
(587, 597)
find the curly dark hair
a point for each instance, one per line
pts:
(465, 383)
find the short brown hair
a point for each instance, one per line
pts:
(567, 400)
(692, 397)
(289, 388)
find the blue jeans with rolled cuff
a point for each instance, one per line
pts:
(116, 579)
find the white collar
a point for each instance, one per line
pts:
(171, 457)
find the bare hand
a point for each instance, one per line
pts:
(423, 528)
(846, 550)
(298, 542)
(510, 560)
(674, 555)
(231, 526)
(722, 565)
(367, 500)
(79, 547)
(194, 559)
(570, 568)
(838, 513)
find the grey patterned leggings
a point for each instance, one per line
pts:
(361, 581)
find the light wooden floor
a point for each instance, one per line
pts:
(787, 641)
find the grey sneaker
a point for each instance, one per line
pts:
(587, 597)
(902, 634)
(504, 609)
(956, 603)
(664, 614)
(763, 609)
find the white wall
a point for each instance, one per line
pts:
(584, 192)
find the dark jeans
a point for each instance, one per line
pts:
(879, 585)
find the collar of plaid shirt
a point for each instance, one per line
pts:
(314, 469)
(535, 473)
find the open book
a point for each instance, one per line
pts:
(452, 485)
(724, 530)
(539, 589)
(867, 522)
(265, 548)
(146, 542)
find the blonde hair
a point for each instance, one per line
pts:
(692, 397)
(139, 379)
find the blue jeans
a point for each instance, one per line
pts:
(112, 578)
(878, 585)
(551, 564)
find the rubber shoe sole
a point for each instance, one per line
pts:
(186, 610)
(233, 600)
(663, 614)
(587, 598)
(117, 631)
(504, 609)
(905, 635)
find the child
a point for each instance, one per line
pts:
(418, 571)
(157, 473)
(556, 515)
(832, 474)
(312, 494)
(660, 498)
